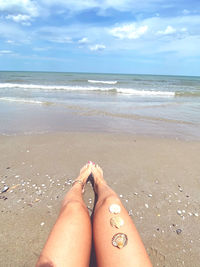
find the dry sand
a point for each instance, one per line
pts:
(158, 181)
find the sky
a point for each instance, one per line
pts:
(106, 36)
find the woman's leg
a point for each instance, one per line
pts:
(69, 242)
(134, 253)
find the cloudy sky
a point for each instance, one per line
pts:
(114, 36)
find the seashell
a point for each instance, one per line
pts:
(114, 208)
(116, 222)
(5, 188)
(179, 212)
(119, 240)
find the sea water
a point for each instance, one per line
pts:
(153, 103)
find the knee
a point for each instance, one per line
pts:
(108, 200)
(74, 206)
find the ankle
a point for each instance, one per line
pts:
(100, 186)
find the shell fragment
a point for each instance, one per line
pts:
(114, 208)
(116, 222)
(119, 240)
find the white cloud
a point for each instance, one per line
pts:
(5, 52)
(185, 12)
(19, 18)
(168, 30)
(84, 40)
(20, 6)
(129, 31)
(10, 42)
(97, 47)
(184, 29)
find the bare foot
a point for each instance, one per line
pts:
(84, 173)
(97, 173)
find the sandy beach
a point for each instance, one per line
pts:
(156, 178)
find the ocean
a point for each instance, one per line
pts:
(140, 104)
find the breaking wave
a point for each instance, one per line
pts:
(125, 91)
(21, 100)
(104, 82)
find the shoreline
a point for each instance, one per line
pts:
(157, 179)
(19, 119)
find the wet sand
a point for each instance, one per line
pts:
(157, 179)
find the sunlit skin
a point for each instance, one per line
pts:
(69, 243)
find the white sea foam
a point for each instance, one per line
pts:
(104, 82)
(20, 100)
(145, 92)
(126, 91)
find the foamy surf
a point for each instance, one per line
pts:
(145, 92)
(125, 91)
(21, 100)
(104, 82)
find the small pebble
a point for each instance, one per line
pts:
(196, 214)
(178, 231)
(149, 195)
(130, 213)
(146, 205)
(42, 223)
(179, 212)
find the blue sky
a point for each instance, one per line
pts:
(114, 36)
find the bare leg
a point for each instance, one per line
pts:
(134, 253)
(69, 242)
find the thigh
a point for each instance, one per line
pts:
(132, 254)
(69, 242)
